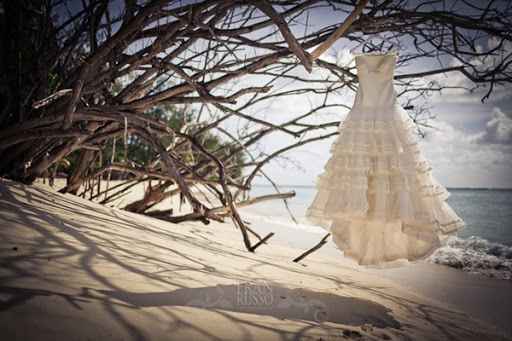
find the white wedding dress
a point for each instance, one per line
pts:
(377, 196)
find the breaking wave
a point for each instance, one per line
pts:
(301, 225)
(476, 255)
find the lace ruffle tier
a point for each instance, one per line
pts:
(377, 177)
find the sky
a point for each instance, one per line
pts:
(470, 144)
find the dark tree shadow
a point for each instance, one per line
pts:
(13, 296)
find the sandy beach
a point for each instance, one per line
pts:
(72, 269)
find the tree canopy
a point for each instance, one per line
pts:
(77, 75)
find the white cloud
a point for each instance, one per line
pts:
(498, 130)
(462, 159)
(474, 149)
(459, 158)
(484, 63)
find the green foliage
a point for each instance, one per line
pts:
(138, 151)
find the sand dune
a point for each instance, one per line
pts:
(75, 270)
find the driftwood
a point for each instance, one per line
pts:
(262, 241)
(313, 249)
(340, 31)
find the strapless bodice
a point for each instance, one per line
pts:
(375, 73)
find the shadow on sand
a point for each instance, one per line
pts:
(265, 299)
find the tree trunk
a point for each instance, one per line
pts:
(79, 173)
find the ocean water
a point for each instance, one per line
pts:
(483, 247)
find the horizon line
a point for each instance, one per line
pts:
(449, 188)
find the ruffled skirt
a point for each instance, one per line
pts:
(377, 195)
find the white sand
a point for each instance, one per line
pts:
(75, 270)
